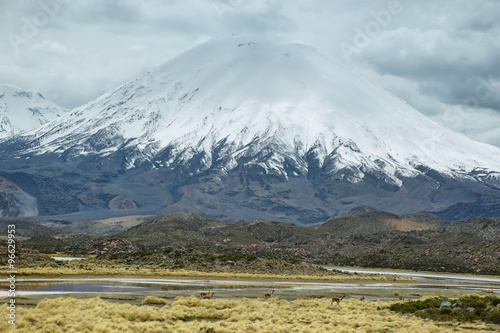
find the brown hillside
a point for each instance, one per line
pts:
(371, 222)
(426, 218)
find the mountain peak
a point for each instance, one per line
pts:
(22, 109)
(251, 127)
(270, 88)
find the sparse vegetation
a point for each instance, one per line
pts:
(182, 262)
(373, 239)
(419, 250)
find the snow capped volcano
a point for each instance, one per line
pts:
(23, 110)
(246, 127)
(244, 90)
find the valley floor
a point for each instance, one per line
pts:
(172, 304)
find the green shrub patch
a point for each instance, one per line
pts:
(468, 309)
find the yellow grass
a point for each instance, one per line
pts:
(154, 300)
(191, 314)
(55, 271)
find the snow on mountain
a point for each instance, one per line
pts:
(243, 90)
(252, 127)
(23, 110)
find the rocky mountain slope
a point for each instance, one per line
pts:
(14, 201)
(372, 239)
(30, 229)
(246, 127)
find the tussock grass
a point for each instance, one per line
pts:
(191, 314)
(154, 300)
(140, 271)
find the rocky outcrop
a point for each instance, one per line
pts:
(121, 202)
(445, 305)
(115, 245)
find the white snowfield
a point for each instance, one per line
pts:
(24, 110)
(258, 93)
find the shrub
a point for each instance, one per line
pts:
(493, 317)
(429, 309)
(475, 301)
(236, 257)
(413, 306)
(445, 311)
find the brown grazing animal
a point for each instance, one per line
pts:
(208, 297)
(335, 299)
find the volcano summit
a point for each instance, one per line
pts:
(245, 127)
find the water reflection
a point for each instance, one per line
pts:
(140, 285)
(90, 288)
(113, 286)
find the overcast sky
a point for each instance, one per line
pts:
(442, 57)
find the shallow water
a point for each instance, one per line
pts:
(67, 258)
(419, 275)
(54, 286)
(113, 285)
(173, 285)
(85, 287)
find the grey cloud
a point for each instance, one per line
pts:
(449, 59)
